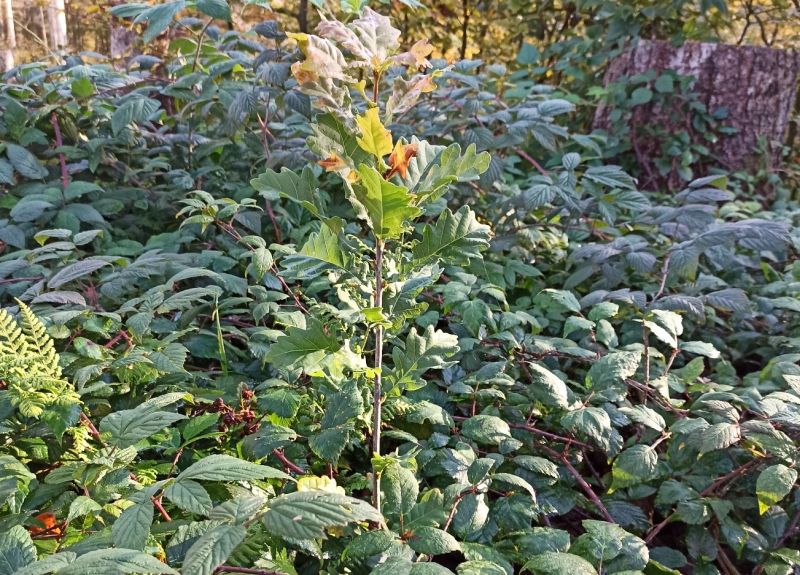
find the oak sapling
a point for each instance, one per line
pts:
(381, 254)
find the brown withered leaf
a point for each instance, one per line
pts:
(399, 159)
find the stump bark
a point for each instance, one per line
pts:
(757, 86)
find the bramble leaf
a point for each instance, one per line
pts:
(773, 484)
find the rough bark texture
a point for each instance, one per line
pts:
(757, 86)
(121, 41)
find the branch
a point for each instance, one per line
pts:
(287, 462)
(523, 154)
(161, 510)
(290, 291)
(250, 570)
(664, 274)
(537, 431)
(61, 159)
(200, 44)
(92, 429)
(453, 509)
(587, 489)
(15, 280)
(716, 484)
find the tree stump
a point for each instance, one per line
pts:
(756, 85)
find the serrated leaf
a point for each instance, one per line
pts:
(481, 567)
(613, 369)
(340, 409)
(170, 358)
(77, 189)
(514, 481)
(773, 484)
(212, 549)
(732, 299)
(476, 313)
(591, 422)
(132, 527)
(547, 387)
(82, 505)
(700, 348)
(128, 426)
(611, 176)
(261, 262)
(282, 401)
(50, 564)
(126, 561)
(218, 9)
(221, 467)
(25, 162)
(429, 569)
(16, 550)
(134, 110)
(433, 541)
(238, 510)
(486, 429)
(29, 210)
(369, 544)
(645, 415)
(400, 490)
(74, 271)
(719, 436)
(307, 514)
(189, 496)
(552, 563)
(633, 466)
(565, 298)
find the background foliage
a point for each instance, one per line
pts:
(578, 377)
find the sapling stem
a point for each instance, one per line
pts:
(376, 391)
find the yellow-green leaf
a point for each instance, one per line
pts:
(387, 206)
(773, 484)
(375, 138)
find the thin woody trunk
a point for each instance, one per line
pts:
(302, 16)
(464, 28)
(57, 18)
(9, 35)
(377, 391)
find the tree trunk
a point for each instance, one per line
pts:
(756, 85)
(302, 16)
(121, 41)
(57, 19)
(464, 27)
(46, 44)
(9, 35)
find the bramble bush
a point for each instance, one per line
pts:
(327, 305)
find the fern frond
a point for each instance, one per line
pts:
(29, 365)
(12, 342)
(38, 341)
